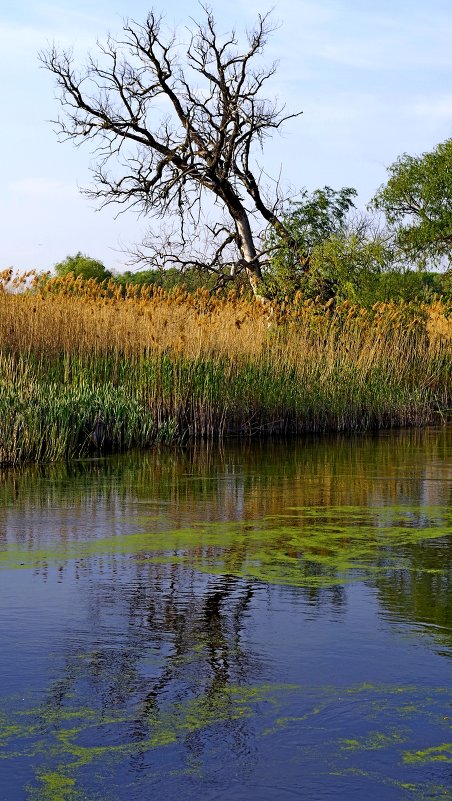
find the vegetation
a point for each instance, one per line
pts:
(91, 368)
(311, 221)
(190, 279)
(82, 266)
(338, 253)
(417, 200)
(348, 333)
(216, 116)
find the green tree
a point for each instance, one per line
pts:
(191, 279)
(141, 278)
(417, 201)
(351, 264)
(311, 221)
(83, 266)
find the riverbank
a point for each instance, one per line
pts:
(85, 370)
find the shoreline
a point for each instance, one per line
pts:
(84, 370)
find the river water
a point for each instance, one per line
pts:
(254, 622)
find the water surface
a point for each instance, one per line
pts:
(257, 622)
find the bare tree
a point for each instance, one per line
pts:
(179, 123)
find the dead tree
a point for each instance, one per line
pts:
(179, 123)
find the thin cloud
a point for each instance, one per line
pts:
(42, 188)
(438, 107)
(366, 37)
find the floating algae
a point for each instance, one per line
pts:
(436, 753)
(320, 549)
(149, 648)
(56, 742)
(375, 741)
(54, 786)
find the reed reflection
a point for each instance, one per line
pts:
(308, 513)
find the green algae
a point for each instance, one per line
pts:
(381, 705)
(49, 715)
(407, 710)
(314, 547)
(54, 786)
(8, 732)
(57, 742)
(424, 791)
(227, 703)
(13, 731)
(437, 753)
(374, 741)
(230, 703)
(325, 547)
(69, 739)
(289, 720)
(83, 755)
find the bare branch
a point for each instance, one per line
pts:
(171, 125)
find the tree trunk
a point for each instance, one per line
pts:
(249, 257)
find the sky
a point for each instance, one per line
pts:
(373, 80)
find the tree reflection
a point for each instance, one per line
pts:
(421, 591)
(168, 669)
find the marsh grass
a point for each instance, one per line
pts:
(87, 368)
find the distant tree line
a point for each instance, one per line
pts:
(82, 266)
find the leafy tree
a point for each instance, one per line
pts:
(349, 264)
(310, 222)
(179, 122)
(353, 264)
(338, 253)
(446, 284)
(365, 266)
(417, 200)
(83, 266)
(140, 278)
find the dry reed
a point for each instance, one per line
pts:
(87, 367)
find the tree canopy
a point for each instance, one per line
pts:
(83, 266)
(417, 200)
(310, 221)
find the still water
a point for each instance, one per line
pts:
(254, 622)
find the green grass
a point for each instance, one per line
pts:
(70, 406)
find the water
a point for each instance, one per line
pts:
(257, 622)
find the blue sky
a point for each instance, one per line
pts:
(373, 80)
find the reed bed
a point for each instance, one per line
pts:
(88, 368)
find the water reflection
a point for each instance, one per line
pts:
(248, 479)
(203, 622)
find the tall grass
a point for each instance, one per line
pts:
(86, 369)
